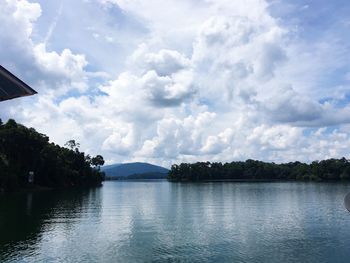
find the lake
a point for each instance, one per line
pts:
(157, 221)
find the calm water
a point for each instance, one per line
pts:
(160, 221)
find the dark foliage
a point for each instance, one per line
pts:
(23, 150)
(331, 169)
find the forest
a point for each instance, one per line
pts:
(252, 170)
(29, 160)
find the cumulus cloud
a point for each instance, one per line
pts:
(240, 52)
(65, 64)
(289, 106)
(217, 144)
(176, 136)
(47, 71)
(120, 142)
(164, 62)
(211, 80)
(164, 79)
(278, 137)
(167, 91)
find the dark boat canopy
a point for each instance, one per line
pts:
(12, 87)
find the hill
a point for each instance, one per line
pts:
(137, 168)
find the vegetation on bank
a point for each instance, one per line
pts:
(326, 170)
(24, 150)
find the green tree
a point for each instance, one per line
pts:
(72, 144)
(23, 149)
(97, 161)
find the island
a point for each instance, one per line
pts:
(253, 170)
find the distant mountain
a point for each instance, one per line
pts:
(110, 166)
(127, 169)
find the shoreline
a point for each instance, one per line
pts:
(258, 181)
(39, 188)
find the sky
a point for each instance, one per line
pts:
(170, 81)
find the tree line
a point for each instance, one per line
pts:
(27, 158)
(330, 169)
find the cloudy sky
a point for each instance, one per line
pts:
(166, 81)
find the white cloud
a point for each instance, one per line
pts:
(47, 71)
(176, 136)
(278, 137)
(121, 141)
(65, 64)
(286, 105)
(213, 80)
(164, 62)
(167, 91)
(217, 144)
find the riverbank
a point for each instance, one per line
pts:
(235, 181)
(253, 170)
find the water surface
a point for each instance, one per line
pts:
(174, 222)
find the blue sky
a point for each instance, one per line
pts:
(171, 81)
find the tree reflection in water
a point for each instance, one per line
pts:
(24, 217)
